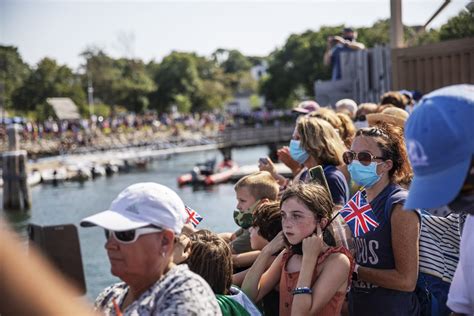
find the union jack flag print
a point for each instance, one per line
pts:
(194, 218)
(358, 215)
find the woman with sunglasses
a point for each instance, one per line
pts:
(387, 257)
(140, 229)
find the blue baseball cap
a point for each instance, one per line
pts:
(439, 136)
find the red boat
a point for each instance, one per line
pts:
(207, 174)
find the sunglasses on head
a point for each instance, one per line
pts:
(130, 236)
(364, 157)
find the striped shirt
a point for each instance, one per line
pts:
(439, 245)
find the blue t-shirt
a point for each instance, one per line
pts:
(336, 60)
(336, 181)
(337, 184)
(374, 250)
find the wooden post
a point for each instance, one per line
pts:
(16, 195)
(396, 25)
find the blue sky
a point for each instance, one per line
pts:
(152, 29)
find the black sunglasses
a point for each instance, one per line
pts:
(364, 157)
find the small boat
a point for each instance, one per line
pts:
(34, 178)
(54, 176)
(207, 174)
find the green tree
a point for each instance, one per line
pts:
(122, 81)
(294, 68)
(459, 26)
(13, 72)
(189, 81)
(48, 80)
(176, 75)
(231, 61)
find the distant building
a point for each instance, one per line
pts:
(259, 71)
(242, 103)
(64, 108)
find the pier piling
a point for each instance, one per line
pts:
(16, 193)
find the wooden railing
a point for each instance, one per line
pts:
(429, 67)
(250, 136)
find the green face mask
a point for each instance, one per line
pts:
(245, 218)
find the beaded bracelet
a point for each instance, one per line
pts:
(302, 290)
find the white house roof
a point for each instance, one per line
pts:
(64, 108)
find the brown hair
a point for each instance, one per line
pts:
(211, 258)
(320, 140)
(267, 218)
(393, 97)
(365, 108)
(260, 184)
(317, 199)
(389, 139)
(347, 130)
(329, 116)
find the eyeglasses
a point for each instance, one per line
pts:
(364, 157)
(130, 236)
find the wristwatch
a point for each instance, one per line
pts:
(355, 274)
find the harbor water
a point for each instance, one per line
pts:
(69, 202)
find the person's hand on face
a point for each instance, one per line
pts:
(313, 245)
(285, 157)
(277, 244)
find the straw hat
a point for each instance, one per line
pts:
(391, 115)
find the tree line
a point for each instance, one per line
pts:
(186, 80)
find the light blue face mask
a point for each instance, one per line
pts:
(297, 153)
(365, 176)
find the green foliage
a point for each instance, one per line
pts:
(48, 80)
(294, 68)
(100, 109)
(459, 26)
(117, 81)
(13, 72)
(232, 61)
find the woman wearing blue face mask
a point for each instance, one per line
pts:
(315, 142)
(387, 257)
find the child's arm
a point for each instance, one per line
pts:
(238, 278)
(332, 277)
(246, 259)
(258, 282)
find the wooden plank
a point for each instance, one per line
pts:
(471, 67)
(446, 73)
(420, 75)
(464, 67)
(437, 79)
(455, 70)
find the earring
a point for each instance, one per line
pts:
(163, 254)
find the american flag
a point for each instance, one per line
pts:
(194, 218)
(358, 215)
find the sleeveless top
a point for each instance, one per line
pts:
(288, 282)
(374, 250)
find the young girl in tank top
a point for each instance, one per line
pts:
(312, 275)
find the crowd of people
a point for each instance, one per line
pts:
(385, 229)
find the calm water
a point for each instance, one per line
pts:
(70, 202)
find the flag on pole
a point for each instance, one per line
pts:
(359, 215)
(193, 216)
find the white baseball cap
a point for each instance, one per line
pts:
(140, 205)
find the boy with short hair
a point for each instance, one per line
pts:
(250, 191)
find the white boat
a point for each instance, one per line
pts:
(54, 176)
